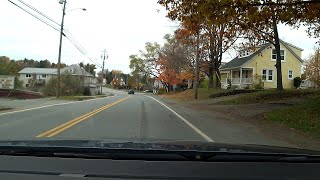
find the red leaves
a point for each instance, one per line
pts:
(170, 76)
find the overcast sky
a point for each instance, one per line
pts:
(120, 26)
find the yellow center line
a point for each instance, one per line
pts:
(69, 124)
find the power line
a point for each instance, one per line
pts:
(73, 40)
(80, 48)
(39, 12)
(50, 25)
(70, 37)
(77, 46)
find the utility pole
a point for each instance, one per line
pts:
(83, 70)
(60, 48)
(104, 56)
(89, 74)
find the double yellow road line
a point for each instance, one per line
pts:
(77, 120)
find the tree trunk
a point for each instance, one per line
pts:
(211, 69)
(218, 83)
(189, 83)
(277, 47)
(196, 83)
(211, 74)
(218, 64)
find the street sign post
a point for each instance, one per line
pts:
(6, 82)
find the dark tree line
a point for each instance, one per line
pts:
(12, 67)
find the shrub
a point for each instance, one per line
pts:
(204, 83)
(18, 84)
(258, 83)
(70, 85)
(297, 82)
(50, 87)
(86, 91)
(161, 91)
(246, 87)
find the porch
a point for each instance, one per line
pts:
(241, 77)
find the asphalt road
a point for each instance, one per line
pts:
(123, 117)
(126, 117)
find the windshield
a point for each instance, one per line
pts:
(236, 72)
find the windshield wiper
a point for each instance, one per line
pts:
(159, 155)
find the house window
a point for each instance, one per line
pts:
(244, 53)
(267, 75)
(274, 55)
(264, 74)
(246, 73)
(71, 71)
(270, 75)
(28, 75)
(44, 76)
(290, 74)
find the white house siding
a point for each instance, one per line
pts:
(26, 80)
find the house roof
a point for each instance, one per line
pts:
(292, 45)
(295, 54)
(28, 70)
(77, 70)
(237, 62)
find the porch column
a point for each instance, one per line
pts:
(227, 77)
(231, 76)
(240, 75)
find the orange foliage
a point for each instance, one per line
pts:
(167, 75)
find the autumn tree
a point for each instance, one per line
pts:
(137, 66)
(43, 64)
(7, 66)
(256, 20)
(215, 25)
(259, 21)
(175, 64)
(306, 13)
(312, 67)
(116, 73)
(150, 56)
(90, 68)
(115, 83)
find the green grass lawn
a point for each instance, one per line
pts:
(270, 96)
(304, 117)
(187, 95)
(80, 98)
(5, 108)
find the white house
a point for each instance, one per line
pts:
(40, 76)
(31, 76)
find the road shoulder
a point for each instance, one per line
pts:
(15, 105)
(248, 119)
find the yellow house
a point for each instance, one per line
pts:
(247, 67)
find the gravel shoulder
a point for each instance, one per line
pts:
(249, 118)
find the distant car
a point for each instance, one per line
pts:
(306, 84)
(131, 91)
(225, 86)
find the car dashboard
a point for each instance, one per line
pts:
(31, 167)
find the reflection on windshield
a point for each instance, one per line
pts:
(167, 71)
